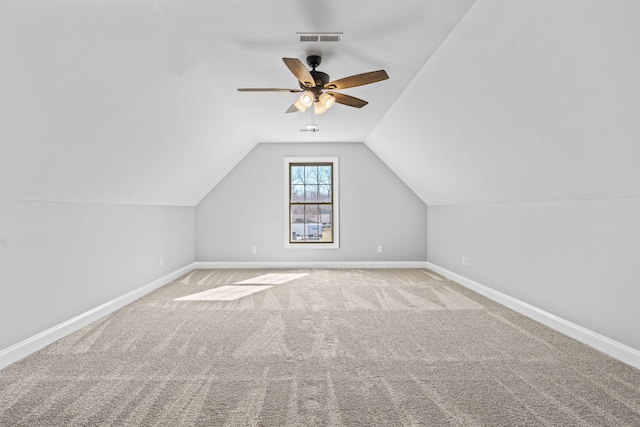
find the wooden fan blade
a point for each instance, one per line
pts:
(300, 71)
(267, 89)
(358, 80)
(349, 100)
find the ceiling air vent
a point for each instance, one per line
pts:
(319, 37)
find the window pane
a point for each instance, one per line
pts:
(314, 231)
(325, 220)
(297, 174)
(310, 213)
(297, 193)
(325, 214)
(324, 193)
(311, 193)
(327, 232)
(311, 174)
(297, 214)
(297, 223)
(324, 174)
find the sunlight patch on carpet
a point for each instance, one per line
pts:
(224, 293)
(272, 279)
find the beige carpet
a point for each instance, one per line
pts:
(335, 347)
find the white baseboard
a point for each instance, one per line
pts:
(311, 264)
(36, 342)
(606, 345)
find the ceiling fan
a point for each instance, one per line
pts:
(317, 89)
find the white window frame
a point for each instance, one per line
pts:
(336, 203)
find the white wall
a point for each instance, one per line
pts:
(574, 259)
(59, 260)
(246, 209)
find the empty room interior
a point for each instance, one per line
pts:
(421, 212)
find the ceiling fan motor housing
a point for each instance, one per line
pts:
(321, 79)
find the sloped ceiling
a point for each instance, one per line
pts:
(100, 103)
(526, 100)
(135, 101)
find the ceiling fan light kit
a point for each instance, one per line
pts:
(314, 83)
(318, 108)
(304, 101)
(327, 100)
(297, 106)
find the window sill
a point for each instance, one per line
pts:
(307, 246)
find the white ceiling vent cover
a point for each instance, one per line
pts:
(319, 37)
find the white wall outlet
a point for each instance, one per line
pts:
(379, 249)
(161, 261)
(465, 261)
(254, 250)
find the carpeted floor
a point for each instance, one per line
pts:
(335, 347)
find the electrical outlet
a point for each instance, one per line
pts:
(465, 261)
(254, 250)
(379, 249)
(161, 261)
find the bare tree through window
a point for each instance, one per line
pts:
(311, 203)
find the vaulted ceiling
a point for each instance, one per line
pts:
(135, 101)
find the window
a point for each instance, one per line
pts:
(311, 202)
